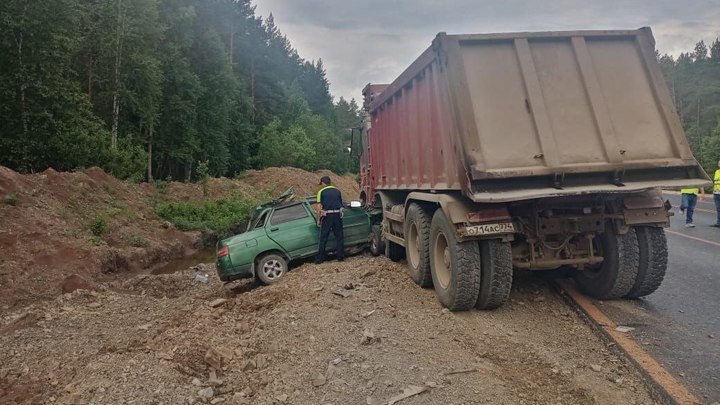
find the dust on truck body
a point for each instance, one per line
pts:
(530, 150)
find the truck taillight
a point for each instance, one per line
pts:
(224, 251)
(489, 215)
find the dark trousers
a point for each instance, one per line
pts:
(688, 203)
(334, 223)
(716, 197)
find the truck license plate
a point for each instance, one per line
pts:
(488, 229)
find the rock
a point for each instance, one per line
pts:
(341, 292)
(624, 329)
(596, 368)
(196, 382)
(74, 282)
(261, 361)
(239, 399)
(249, 365)
(213, 379)
(216, 303)
(408, 392)
(217, 401)
(282, 398)
(319, 380)
(217, 357)
(368, 273)
(206, 393)
(540, 298)
(165, 356)
(368, 337)
(145, 326)
(94, 305)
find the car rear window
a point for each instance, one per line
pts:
(286, 214)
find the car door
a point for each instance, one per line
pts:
(356, 226)
(294, 229)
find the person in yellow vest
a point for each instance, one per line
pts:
(716, 195)
(688, 203)
(330, 218)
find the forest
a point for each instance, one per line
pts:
(694, 81)
(162, 89)
(176, 89)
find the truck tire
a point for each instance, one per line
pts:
(270, 268)
(496, 273)
(455, 266)
(375, 241)
(653, 261)
(615, 276)
(393, 251)
(417, 245)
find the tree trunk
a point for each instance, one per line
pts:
(252, 85)
(24, 118)
(90, 64)
(232, 36)
(116, 89)
(188, 171)
(149, 161)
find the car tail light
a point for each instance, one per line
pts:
(224, 251)
(488, 215)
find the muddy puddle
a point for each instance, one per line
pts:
(206, 255)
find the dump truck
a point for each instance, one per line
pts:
(532, 151)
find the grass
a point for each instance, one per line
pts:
(11, 199)
(211, 215)
(98, 241)
(139, 242)
(97, 225)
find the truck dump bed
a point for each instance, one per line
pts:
(506, 117)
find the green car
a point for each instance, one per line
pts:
(283, 231)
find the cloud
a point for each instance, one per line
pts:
(375, 40)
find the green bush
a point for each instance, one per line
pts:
(139, 242)
(203, 171)
(98, 225)
(213, 215)
(11, 199)
(98, 241)
(127, 161)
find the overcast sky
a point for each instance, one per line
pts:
(364, 41)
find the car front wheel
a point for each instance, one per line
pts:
(270, 268)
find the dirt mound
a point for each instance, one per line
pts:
(152, 339)
(88, 223)
(275, 180)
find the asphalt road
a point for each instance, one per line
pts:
(679, 324)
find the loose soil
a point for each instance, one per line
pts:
(46, 221)
(357, 332)
(86, 320)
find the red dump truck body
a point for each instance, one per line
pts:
(506, 117)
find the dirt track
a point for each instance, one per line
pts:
(145, 341)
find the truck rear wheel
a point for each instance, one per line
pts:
(375, 241)
(653, 261)
(455, 266)
(417, 245)
(496, 273)
(615, 276)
